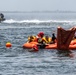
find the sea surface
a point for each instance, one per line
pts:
(18, 61)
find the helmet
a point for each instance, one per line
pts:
(41, 34)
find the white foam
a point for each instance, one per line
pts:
(38, 21)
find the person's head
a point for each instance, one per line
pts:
(46, 37)
(40, 34)
(30, 38)
(53, 34)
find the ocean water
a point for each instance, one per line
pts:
(18, 61)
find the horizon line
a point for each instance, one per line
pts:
(38, 11)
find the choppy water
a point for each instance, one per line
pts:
(18, 61)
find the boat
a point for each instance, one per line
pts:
(30, 45)
(2, 17)
(65, 41)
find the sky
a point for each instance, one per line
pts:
(37, 5)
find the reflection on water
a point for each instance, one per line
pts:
(65, 53)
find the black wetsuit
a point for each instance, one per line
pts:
(53, 38)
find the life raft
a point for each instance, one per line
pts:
(30, 45)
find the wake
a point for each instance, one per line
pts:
(38, 21)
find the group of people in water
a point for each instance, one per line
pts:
(42, 39)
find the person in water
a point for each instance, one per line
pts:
(31, 38)
(39, 39)
(40, 36)
(54, 39)
(47, 39)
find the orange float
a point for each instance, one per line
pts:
(8, 44)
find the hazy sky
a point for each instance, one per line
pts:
(37, 5)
